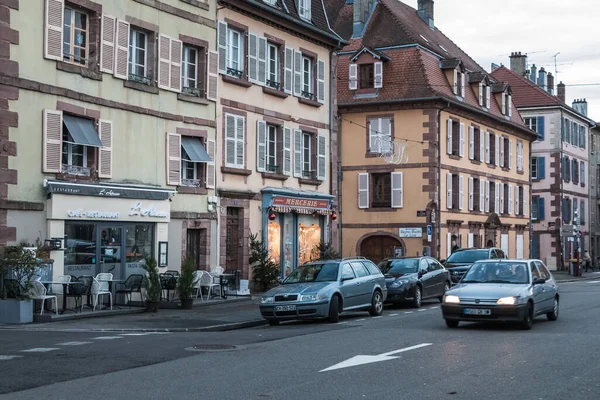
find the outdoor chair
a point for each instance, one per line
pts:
(217, 270)
(38, 292)
(197, 276)
(207, 280)
(168, 283)
(78, 291)
(100, 289)
(172, 272)
(232, 283)
(104, 276)
(58, 289)
(133, 284)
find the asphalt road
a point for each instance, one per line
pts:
(413, 356)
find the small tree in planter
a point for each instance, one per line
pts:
(185, 284)
(324, 251)
(153, 288)
(265, 273)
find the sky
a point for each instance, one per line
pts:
(490, 30)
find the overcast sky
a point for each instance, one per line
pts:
(489, 31)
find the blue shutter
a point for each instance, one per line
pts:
(535, 246)
(541, 209)
(564, 168)
(573, 167)
(540, 127)
(564, 210)
(582, 212)
(563, 129)
(582, 138)
(541, 167)
(575, 134)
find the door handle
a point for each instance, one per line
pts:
(357, 283)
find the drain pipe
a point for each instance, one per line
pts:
(439, 196)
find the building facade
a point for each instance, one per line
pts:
(432, 149)
(108, 131)
(274, 126)
(594, 193)
(559, 162)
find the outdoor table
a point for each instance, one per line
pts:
(65, 286)
(223, 277)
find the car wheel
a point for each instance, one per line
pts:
(446, 288)
(376, 304)
(450, 323)
(416, 303)
(334, 310)
(553, 316)
(273, 322)
(527, 323)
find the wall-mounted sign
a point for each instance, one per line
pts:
(151, 211)
(421, 213)
(93, 214)
(410, 232)
(297, 202)
(125, 192)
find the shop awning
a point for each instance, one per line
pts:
(194, 149)
(82, 131)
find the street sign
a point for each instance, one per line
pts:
(410, 232)
(429, 232)
(567, 229)
(362, 359)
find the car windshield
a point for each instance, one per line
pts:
(469, 256)
(402, 266)
(314, 273)
(497, 272)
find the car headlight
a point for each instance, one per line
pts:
(507, 301)
(266, 300)
(397, 284)
(311, 297)
(451, 299)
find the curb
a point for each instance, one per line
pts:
(578, 279)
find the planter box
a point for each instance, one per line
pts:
(16, 311)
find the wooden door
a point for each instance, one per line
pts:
(233, 238)
(376, 248)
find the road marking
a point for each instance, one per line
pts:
(137, 334)
(434, 307)
(408, 312)
(72, 343)
(40, 350)
(6, 358)
(362, 319)
(377, 317)
(108, 337)
(393, 315)
(364, 359)
(422, 309)
(345, 322)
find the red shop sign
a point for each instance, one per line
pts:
(295, 202)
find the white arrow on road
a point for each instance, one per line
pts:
(362, 359)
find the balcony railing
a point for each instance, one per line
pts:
(198, 183)
(140, 79)
(308, 174)
(273, 84)
(272, 168)
(308, 95)
(235, 72)
(192, 91)
(75, 170)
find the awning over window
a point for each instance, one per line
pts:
(82, 131)
(194, 149)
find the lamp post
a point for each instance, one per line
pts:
(577, 240)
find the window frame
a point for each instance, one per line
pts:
(199, 169)
(268, 166)
(304, 8)
(132, 61)
(73, 11)
(241, 52)
(185, 63)
(307, 136)
(534, 167)
(362, 82)
(309, 94)
(385, 192)
(277, 61)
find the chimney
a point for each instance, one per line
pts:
(542, 78)
(550, 88)
(560, 91)
(361, 11)
(581, 106)
(425, 11)
(533, 76)
(518, 63)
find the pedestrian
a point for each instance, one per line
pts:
(454, 246)
(588, 261)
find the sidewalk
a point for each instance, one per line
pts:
(563, 276)
(229, 315)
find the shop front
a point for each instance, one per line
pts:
(107, 228)
(294, 224)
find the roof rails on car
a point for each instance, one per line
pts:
(354, 258)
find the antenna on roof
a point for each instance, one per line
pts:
(555, 68)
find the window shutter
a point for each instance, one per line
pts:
(461, 194)
(105, 130)
(582, 137)
(582, 173)
(471, 143)
(321, 157)
(449, 137)
(510, 199)
(481, 93)
(504, 243)
(563, 168)
(519, 247)
(121, 50)
(488, 94)
(298, 153)
(449, 191)
(288, 81)
(53, 40)
(52, 131)
(487, 148)
(321, 81)
(378, 73)
(173, 159)
(222, 39)
(240, 141)
(470, 241)
(510, 105)
(510, 147)
(564, 210)
(176, 54)
(363, 190)
(353, 77)
(461, 150)
(455, 86)
(213, 76)
(297, 73)
(502, 139)
(563, 129)
(503, 103)
(287, 151)
(374, 134)
(496, 197)
(496, 150)
(470, 193)
(541, 167)
(463, 84)
(487, 196)
(517, 195)
(582, 211)
(481, 146)
(230, 140)
(541, 209)
(262, 61)
(448, 244)
(210, 166)
(164, 62)
(501, 191)
(107, 44)
(261, 146)
(481, 195)
(397, 190)
(541, 127)
(524, 193)
(252, 57)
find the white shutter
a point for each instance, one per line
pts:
(288, 81)
(504, 243)
(501, 186)
(496, 150)
(213, 76)
(510, 105)
(298, 153)
(481, 93)
(375, 135)
(105, 153)
(471, 143)
(448, 244)
(461, 149)
(122, 50)
(449, 191)
(287, 151)
(397, 190)
(52, 132)
(353, 76)
(481, 146)
(503, 103)
(363, 190)
(297, 73)
(211, 178)
(173, 159)
(487, 196)
(252, 58)
(449, 137)
(470, 241)
(471, 184)
(517, 194)
(322, 158)
(176, 55)
(520, 156)
(53, 32)
(321, 81)
(262, 61)
(510, 147)
(230, 140)
(378, 75)
(222, 43)
(519, 246)
(107, 44)
(510, 199)
(481, 195)
(261, 146)
(240, 141)
(463, 84)
(455, 85)
(496, 197)
(487, 148)
(488, 94)
(461, 194)
(502, 139)
(164, 62)
(524, 190)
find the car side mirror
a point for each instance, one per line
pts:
(443, 261)
(421, 273)
(539, 281)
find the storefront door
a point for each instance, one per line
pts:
(233, 240)
(110, 247)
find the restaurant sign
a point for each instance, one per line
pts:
(99, 190)
(137, 209)
(299, 202)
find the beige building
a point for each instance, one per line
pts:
(107, 113)
(274, 123)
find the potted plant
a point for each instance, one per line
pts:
(265, 272)
(153, 288)
(185, 284)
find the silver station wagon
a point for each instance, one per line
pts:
(324, 289)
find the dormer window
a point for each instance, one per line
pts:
(459, 83)
(507, 103)
(367, 76)
(304, 9)
(484, 95)
(270, 2)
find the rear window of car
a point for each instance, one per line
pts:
(468, 256)
(373, 270)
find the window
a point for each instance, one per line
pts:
(304, 9)
(273, 77)
(534, 208)
(235, 133)
(506, 152)
(307, 77)
(191, 73)
(454, 185)
(79, 138)
(271, 152)
(455, 137)
(138, 60)
(477, 198)
(380, 135)
(307, 171)
(382, 191)
(235, 53)
(534, 168)
(196, 246)
(74, 156)
(493, 196)
(491, 145)
(582, 211)
(531, 123)
(575, 171)
(192, 173)
(367, 76)
(75, 36)
(520, 156)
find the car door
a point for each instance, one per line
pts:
(365, 285)
(538, 290)
(439, 277)
(549, 287)
(349, 286)
(427, 279)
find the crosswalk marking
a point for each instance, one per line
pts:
(72, 343)
(393, 315)
(40, 350)
(422, 309)
(6, 358)
(107, 337)
(362, 319)
(408, 312)
(137, 334)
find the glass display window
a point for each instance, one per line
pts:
(274, 241)
(309, 237)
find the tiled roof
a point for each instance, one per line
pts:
(476, 77)
(524, 92)
(449, 63)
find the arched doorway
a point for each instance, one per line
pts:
(379, 246)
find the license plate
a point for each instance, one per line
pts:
(285, 308)
(478, 311)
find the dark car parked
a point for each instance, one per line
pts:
(413, 279)
(461, 260)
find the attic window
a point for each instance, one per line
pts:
(425, 39)
(270, 2)
(442, 47)
(304, 9)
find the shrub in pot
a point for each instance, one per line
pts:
(265, 272)
(153, 288)
(185, 284)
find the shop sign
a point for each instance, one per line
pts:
(151, 211)
(296, 202)
(410, 232)
(130, 192)
(138, 209)
(93, 214)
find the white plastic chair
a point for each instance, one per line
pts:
(217, 270)
(57, 288)
(197, 276)
(100, 289)
(104, 276)
(38, 292)
(207, 280)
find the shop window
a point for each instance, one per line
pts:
(274, 241)
(80, 248)
(138, 241)
(287, 263)
(309, 237)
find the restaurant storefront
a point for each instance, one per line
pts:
(294, 223)
(107, 228)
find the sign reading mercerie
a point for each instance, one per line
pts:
(295, 202)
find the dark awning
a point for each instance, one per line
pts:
(194, 149)
(82, 131)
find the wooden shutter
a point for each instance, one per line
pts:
(448, 244)
(470, 240)
(517, 205)
(510, 105)
(262, 61)
(222, 43)
(481, 195)
(173, 159)
(455, 86)
(481, 93)
(541, 209)
(213, 76)
(510, 156)
(504, 243)
(252, 57)
(524, 191)
(581, 171)
(164, 62)
(321, 157)
(287, 151)
(261, 146)
(297, 73)
(363, 190)
(481, 146)
(471, 187)
(53, 38)
(298, 153)
(52, 132)
(488, 94)
(541, 168)
(230, 140)
(449, 137)
(471, 143)
(240, 141)
(321, 81)
(501, 189)
(121, 50)
(105, 157)
(449, 191)
(107, 44)
(503, 103)
(510, 199)
(502, 151)
(519, 246)
(487, 148)
(374, 135)
(353, 77)
(176, 53)
(210, 166)
(487, 196)
(461, 194)
(397, 190)
(288, 81)
(378, 75)
(496, 150)
(463, 76)
(461, 149)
